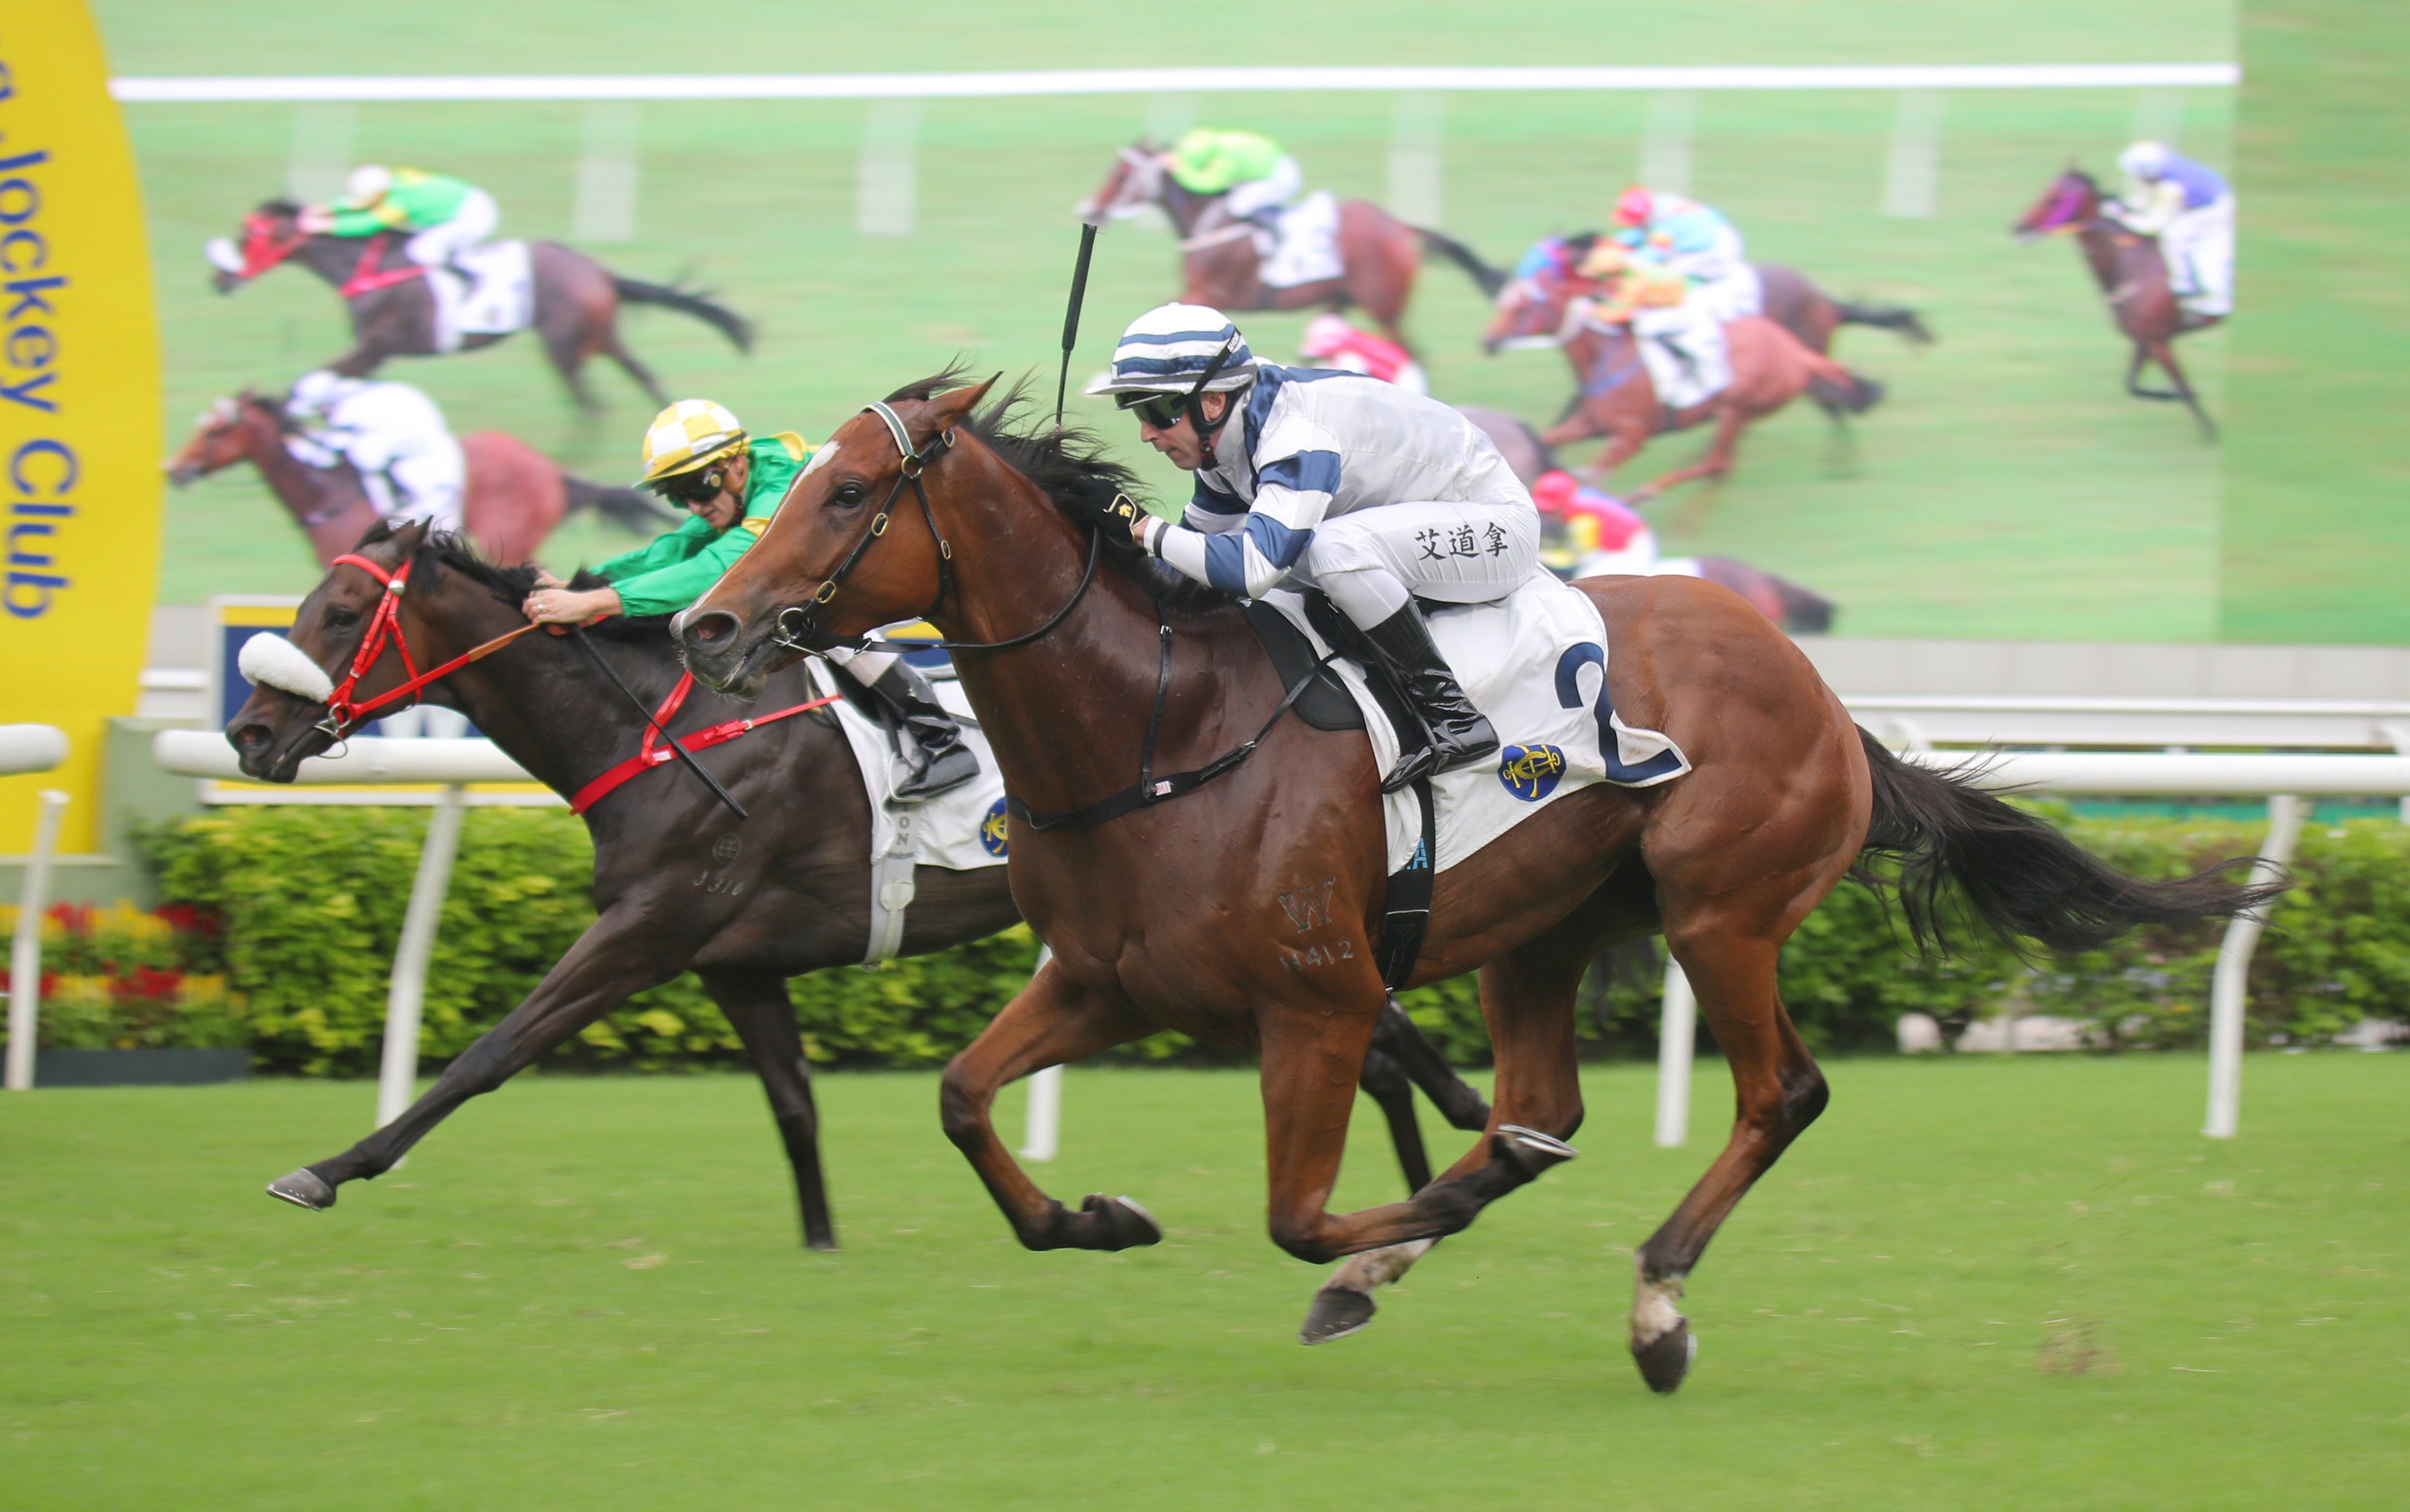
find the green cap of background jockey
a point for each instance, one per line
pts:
(1208, 161)
(682, 565)
(395, 200)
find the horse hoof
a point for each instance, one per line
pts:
(1336, 1312)
(1667, 1359)
(1125, 1223)
(1533, 1150)
(303, 1189)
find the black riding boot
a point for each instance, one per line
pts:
(1459, 736)
(945, 760)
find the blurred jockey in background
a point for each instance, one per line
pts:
(1585, 533)
(2189, 207)
(443, 216)
(697, 455)
(1333, 343)
(1693, 240)
(1253, 174)
(391, 433)
(1677, 326)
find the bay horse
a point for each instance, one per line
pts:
(516, 495)
(2133, 279)
(1182, 912)
(1219, 265)
(1616, 398)
(576, 313)
(678, 883)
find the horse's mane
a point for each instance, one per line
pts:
(1063, 464)
(454, 551)
(280, 206)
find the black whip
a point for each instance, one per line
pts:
(683, 753)
(1071, 316)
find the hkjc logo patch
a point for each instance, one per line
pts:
(992, 835)
(1531, 772)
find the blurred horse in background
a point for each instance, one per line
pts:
(1220, 267)
(516, 495)
(576, 299)
(2133, 278)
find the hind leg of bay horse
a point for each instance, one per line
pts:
(2164, 354)
(1456, 1100)
(567, 345)
(637, 371)
(763, 1017)
(1385, 1082)
(607, 965)
(1053, 1020)
(1528, 1000)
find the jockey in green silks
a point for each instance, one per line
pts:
(1255, 175)
(443, 216)
(697, 455)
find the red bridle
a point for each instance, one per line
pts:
(262, 249)
(345, 713)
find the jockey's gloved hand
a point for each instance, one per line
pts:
(1096, 503)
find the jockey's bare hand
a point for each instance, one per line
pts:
(315, 220)
(544, 579)
(564, 606)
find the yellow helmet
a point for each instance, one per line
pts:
(690, 434)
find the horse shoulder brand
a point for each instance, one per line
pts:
(1308, 908)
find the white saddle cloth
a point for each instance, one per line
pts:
(1535, 663)
(500, 300)
(962, 828)
(1308, 252)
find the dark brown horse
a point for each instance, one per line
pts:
(1182, 912)
(678, 883)
(1616, 399)
(1379, 252)
(516, 495)
(577, 311)
(2133, 279)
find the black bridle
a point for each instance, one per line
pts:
(795, 628)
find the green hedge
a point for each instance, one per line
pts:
(303, 906)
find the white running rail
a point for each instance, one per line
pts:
(320, 88)
(26, 748)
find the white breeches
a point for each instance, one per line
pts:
(1739, 293)
(1370, 560)
(865, 665)
(1720, 260)
(426, 485)
(439, 244)
(1685, 352)
(2198, 247)
(1275, 188)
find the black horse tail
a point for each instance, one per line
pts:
(731, 325)
(2014, 874)
(1490, 279)
(1890, 317)
(632, 508)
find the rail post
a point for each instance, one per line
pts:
(2228, 982)
(1041, 1124)
(25, 951)
(1678, 1026)
(406, 991)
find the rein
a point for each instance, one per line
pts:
(367, 279)
(344, 714)
(795, 622)
(648, 756)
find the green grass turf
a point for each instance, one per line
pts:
(1976, 1284)
(2007, 487)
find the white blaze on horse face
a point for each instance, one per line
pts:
(272, 661)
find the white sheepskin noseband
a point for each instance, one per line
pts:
(272, 661)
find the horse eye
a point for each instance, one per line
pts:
(847, 494)
(339, 618)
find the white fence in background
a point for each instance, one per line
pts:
(27, 748)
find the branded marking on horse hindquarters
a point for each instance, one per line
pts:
(1331, 955)
(1308, 908)
(724, 850)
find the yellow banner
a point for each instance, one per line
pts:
(78, 407)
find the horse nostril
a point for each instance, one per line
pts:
(251, 737)
(712, 628)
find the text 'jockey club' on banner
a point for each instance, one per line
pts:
(79, 407)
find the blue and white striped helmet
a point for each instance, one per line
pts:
(1169, 348)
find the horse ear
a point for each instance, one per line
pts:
(948, 410)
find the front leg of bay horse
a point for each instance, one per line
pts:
(616, 958)
(1731, 420)
(763, 1017)
(1051, 1021)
